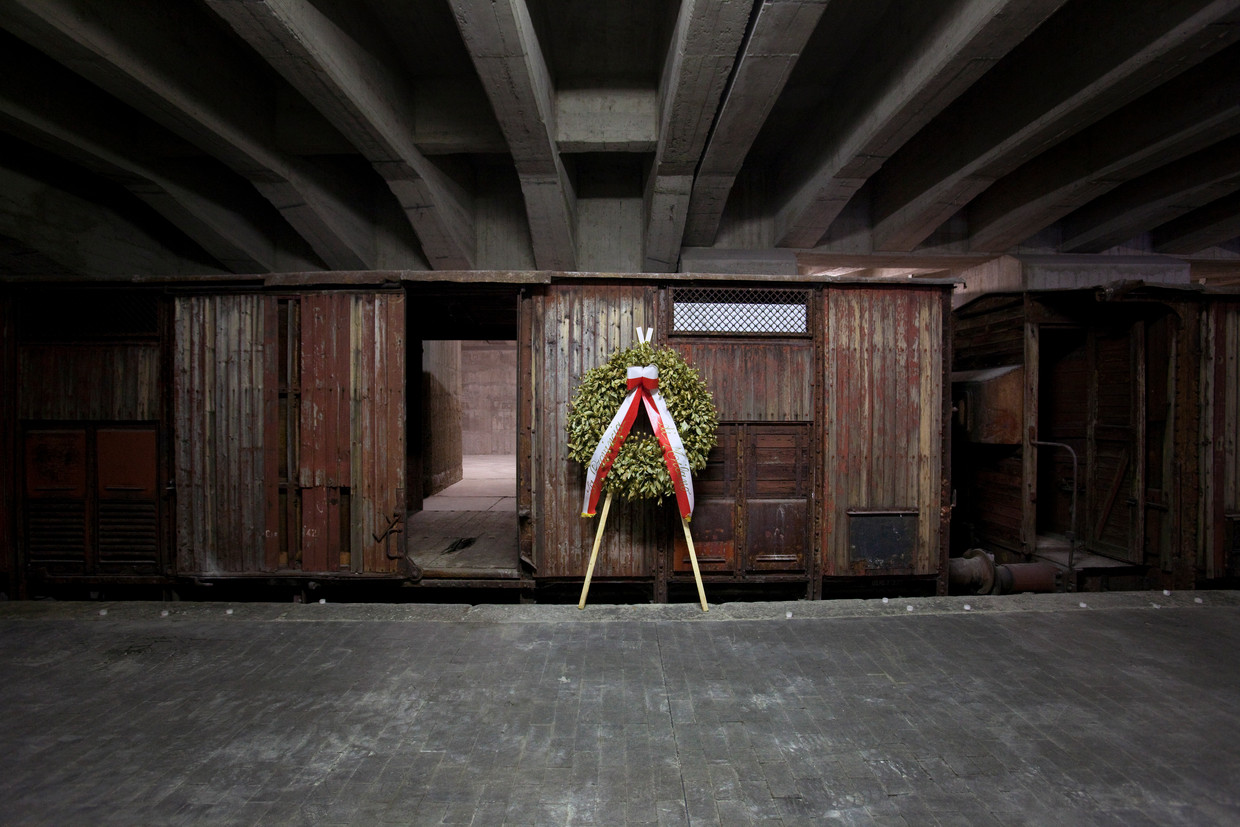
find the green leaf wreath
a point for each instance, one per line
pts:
(639, 471)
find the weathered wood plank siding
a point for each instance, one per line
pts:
(346, 468)
(377, 430)
(1221, 440)
(884, 377)
(581, 326)
(219, 392)
(755, 381)
(91, 382)
(8, 439)
(441, 415)
(989, 332)
(1231, 408)
(325, 449)
(325, 379)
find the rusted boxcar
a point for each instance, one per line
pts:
(832, 440)
(85, 441)
(1220, 467)
(283, 432)
(1094, 430)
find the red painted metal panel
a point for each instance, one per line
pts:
(126, 465)
(128, 506)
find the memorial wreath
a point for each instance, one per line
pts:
(640, 469)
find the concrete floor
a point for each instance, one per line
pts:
(488, 483)
(1119, 708)
(469, 530)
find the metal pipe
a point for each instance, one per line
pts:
(1072, 516)
(977, 573)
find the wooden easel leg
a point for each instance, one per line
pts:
(598, 536)
(697, 575)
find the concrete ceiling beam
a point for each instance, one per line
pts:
(81, 235)
(162, 59)
(776, 38)
(1185, 115)
(1215, 223)
(606, 120)
(501, 41)
(1154, 199)
(1074, 69)
(345, 79)
(874, 113)
(699, 61)
(67, 117)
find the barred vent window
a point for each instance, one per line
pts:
(740, 310)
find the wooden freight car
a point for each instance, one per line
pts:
(1096, 424)
(287, 434)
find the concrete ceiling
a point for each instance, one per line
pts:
(254, 136)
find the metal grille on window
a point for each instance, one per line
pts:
(740, 310)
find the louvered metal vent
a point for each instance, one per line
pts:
(128, 532)
(740, 311)
(56, 532)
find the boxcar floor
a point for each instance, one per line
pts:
(469, 529)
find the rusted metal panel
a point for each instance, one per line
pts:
(219, 413)
(95, 382)
(581, 325)
(378, 431)
(755, 380)
(885, 415)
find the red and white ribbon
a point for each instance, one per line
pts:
(643, 387)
